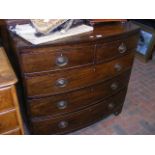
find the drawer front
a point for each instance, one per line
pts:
(45, 59)
(79, 119)
(8, 121)
(111, 50)
(61, 82)
(69, 102)
(6, 99)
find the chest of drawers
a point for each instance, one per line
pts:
(73, 82)
(10, 118)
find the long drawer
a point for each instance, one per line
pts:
(69, 102)
(56, 58)
(78, 119)
(60, 82)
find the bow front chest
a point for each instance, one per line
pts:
(74, 82)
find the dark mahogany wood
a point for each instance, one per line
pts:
(45, 59)
(108, 31)
(76, 55)
(111, 50)
(75, 100)
(88, 82)
(70, 122)
(47, 84)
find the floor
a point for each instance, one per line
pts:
(138, 115)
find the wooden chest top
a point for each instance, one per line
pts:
(104, 32)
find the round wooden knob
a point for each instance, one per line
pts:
(122, 48)
(61, 61)
(61, 82)
(62, 104)
(111, 106)
(118, 67)
(114, 86)
(63, 124)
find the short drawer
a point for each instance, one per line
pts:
(6, 99)
(8, 121)
(45, 59)
(69, 102)
(111, 50)
(61, 82)
(78, 119)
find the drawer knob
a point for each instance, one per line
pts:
(62, 104)
(114, 86)
(61, 61)
(61, 82)
(63, 124)
(122, 48)
(111, 106)
(118, 67)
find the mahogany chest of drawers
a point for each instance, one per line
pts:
(10, 118)
(71, 83)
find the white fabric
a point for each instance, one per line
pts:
(28, 33)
